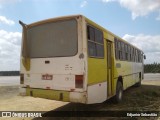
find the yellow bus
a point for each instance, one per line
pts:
(73, 59)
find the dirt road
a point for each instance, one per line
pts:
(144, 98)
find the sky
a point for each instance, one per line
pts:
(137, 21)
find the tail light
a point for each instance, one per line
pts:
(21, 78)
(79, 81)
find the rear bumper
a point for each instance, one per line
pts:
(66, 96)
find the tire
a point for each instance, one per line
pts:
(119, 92)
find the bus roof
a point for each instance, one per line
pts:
(53, 19)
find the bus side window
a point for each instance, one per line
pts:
(98, 36)
(119, 50)
(91, 48)
(130, 52)
(126, 52)
(95, 42)
(122, 51)
(100, 50)
(99, 43)
(90, 33)
(137, 54)
(133, 55)
(116, 48)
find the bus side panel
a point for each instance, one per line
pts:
(97, 81)
(124, 69)
(97, 93)
(138, 69)
(96, 71)
(129, 71)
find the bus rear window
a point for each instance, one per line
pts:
(56, 39)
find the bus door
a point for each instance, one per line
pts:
(109, 68)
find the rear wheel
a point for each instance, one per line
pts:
(119, 92)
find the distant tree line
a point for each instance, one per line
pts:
(9, 73)
(152, 68)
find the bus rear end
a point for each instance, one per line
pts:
(53, 60)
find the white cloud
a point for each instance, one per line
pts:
(9, 50)
(149, 44)
(139, 7)
(4, 20)
(83, 4)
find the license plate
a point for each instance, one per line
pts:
(47, 77)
